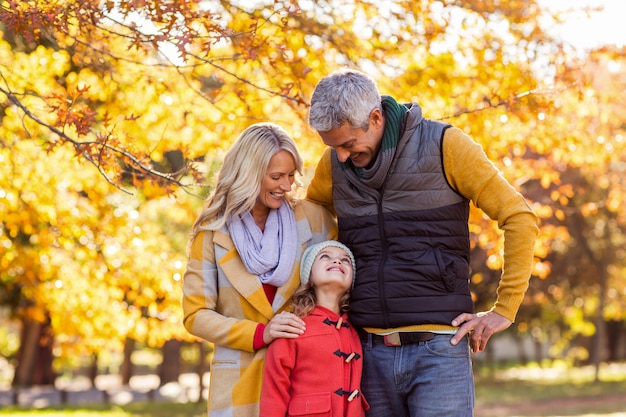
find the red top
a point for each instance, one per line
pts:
(319, 371)
(258, 343)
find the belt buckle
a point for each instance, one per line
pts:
(392, 339)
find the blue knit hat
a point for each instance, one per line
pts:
(310, 253)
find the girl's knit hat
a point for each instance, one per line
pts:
(310, 253)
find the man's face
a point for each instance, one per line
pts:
(359, 145)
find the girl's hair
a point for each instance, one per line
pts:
(303, 300)
(346, 95)
(239, 180)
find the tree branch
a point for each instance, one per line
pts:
(133, 160)
(488, 104)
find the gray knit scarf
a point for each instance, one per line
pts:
(375, 175)
(269, 254)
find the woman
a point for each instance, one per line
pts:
(244, 263)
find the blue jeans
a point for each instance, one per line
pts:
(426, 379)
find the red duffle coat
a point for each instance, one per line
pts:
(318, 373)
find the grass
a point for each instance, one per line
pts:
(529, 391)
(552, 399)
(152, 409)
(555, 391)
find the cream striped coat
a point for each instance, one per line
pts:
(223, 303)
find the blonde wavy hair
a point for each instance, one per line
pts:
(239, 179)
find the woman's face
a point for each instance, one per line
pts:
(277, 181)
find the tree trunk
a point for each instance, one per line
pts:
(169, 371)
(598, 337)
(93, 369)
(538, 350)
(34, 357)
(522, 356)
(613, 336)
(126, 370)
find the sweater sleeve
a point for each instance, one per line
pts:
(279, 364)
(320, 190)
(474, 176)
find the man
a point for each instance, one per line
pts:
(401, 187)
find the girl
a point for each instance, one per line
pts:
(318, 373)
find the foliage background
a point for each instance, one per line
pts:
(115, 115)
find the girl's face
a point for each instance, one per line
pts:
(332, 266)
(277, 181)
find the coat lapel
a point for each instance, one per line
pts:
(246, 284)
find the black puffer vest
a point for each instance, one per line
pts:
(410, 238)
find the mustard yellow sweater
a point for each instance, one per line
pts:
(474, 176)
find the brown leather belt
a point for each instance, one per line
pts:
(397, 338)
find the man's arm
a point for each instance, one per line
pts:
(320, 190)
(473, 175)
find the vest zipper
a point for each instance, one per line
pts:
(383, 258)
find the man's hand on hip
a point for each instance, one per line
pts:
(480, 326)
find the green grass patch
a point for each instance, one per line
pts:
(555, 391)
(151, 409)
(516, 392)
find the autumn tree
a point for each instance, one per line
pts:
(582, 196)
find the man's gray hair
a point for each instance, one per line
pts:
(345, 95)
